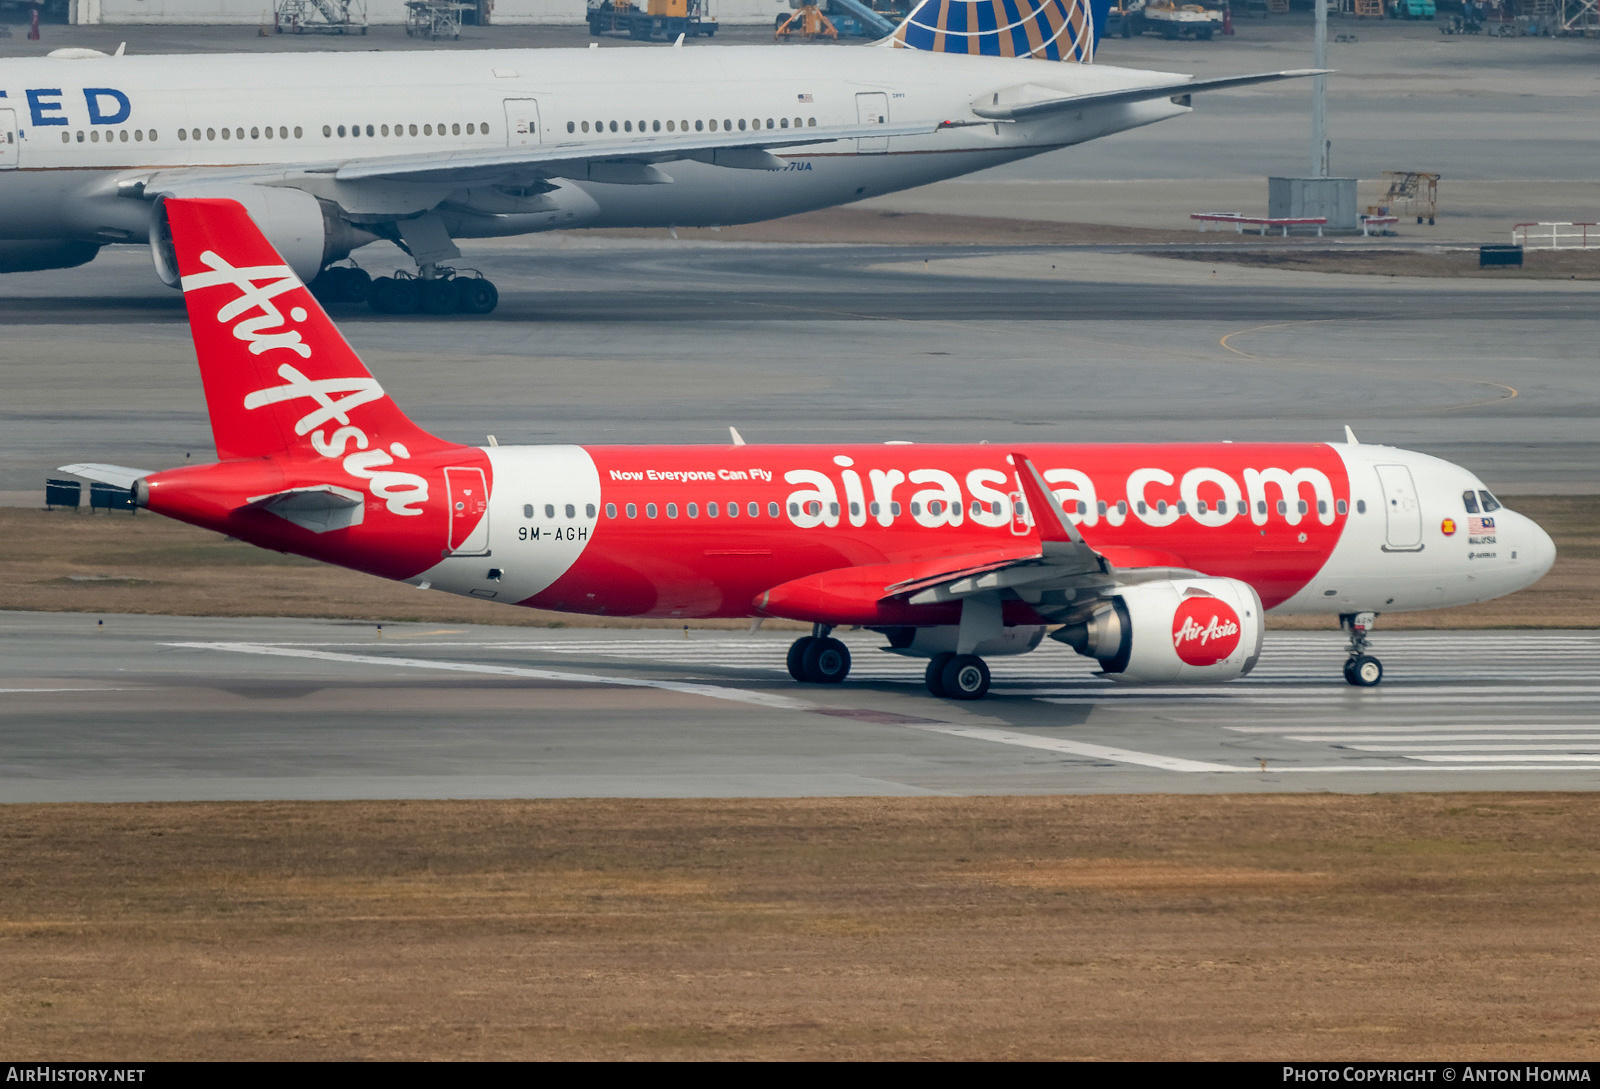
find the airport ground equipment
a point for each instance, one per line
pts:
(320, 17)
(1172, 21)
(1376, 224)
(1556, 236)
(1580, 17)
(1412, 9)
(657, 19)
(1241, 221)
(1418, 190)
(805, 21)
(855, 16)
(435, 19)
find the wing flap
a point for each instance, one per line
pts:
(737, 150)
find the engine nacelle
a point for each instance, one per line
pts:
(296, 223)
(1187, 630)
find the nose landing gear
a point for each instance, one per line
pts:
(1360, 668)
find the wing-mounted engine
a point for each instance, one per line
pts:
(306, 231)
(1197, 630)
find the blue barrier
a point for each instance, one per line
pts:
(110, 497)
(62, 493)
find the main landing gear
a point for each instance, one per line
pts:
(818, 658)
(1360, 668)
(957, 676)
(442, 291)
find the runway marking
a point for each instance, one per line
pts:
(1079, 748)
(1452, 746)
(1510, 391)
(1483, 748)
(11, 690)
(760, 699)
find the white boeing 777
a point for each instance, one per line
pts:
(331, 151)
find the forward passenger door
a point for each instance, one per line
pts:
(8, 139)
(872, 108)
(522, 122)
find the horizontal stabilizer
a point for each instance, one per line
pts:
(319, 508)
(118, 476)
(1014, 104)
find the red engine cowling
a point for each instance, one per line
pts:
(1183, 630)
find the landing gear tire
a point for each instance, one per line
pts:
(1363, 671)
(933, 677)
(797, 657)
(475, 295)
(394, 296)
(965, 677)
(439, 296)
(341, 283)
(826, 661)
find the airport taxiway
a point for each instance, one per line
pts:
(164, 708)
(659, 341)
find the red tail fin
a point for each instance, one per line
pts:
(279, 378)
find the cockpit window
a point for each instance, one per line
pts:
(1470, 500)
(1490, 503)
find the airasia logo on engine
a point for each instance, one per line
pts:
(1205, 630)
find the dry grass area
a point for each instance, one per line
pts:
(1185, 927)
(119, 563)
(1449, 264)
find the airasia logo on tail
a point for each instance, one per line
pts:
(1205, 630)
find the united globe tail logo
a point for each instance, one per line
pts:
(1205, 631)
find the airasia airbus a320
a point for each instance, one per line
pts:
(1155, 560)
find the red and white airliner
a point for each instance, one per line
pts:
(1157, 560)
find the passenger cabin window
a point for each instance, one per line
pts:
(672, 510)
(611, 510)
(588, 510)
(1361, 506)
(549, 510)
(649, 510)
(1470, 498)
(527, 510)
(633, 511)
(1341, 507)
(572, 511)
(772, 509)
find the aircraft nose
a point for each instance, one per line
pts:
(1538, 550)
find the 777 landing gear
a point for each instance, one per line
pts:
(442, 291)
(819, 659)
(1360, 668)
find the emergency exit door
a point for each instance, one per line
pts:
(468, 496)
(1402, 510)
(522, 122)
(8, 139)
(872, 108)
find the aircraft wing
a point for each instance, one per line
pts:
(1064, 560)
(118, 476)
(739, 150)
(1029, 101)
